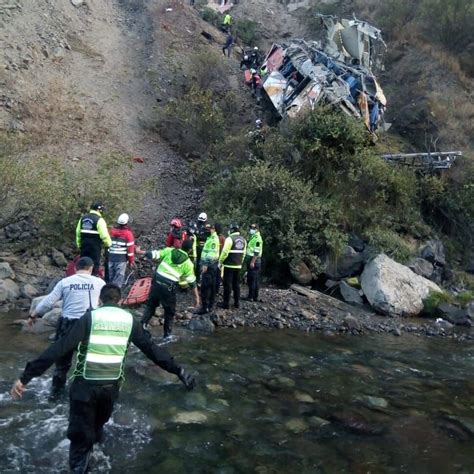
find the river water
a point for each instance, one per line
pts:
(267, 402)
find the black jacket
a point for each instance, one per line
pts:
(80, 333)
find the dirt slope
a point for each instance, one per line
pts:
(76, 84)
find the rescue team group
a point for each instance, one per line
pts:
(93, 323)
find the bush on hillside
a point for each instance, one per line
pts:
(247, 31)
(449, 21)
(53, 193)
(295, 221)
(207, 71)
(192, 122)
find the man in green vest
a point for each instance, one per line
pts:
(227, 22)
(102, 337)
(231, 260)
(253, 262)
(91, 234)
(175, 269)
(209, 261)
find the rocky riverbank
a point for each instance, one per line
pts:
(24, 278)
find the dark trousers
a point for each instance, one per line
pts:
(253, 279)
(231, 282)
(92, 250)
(91, 406)
(164, 294)
(208, 287)
(64, 363)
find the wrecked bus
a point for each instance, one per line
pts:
(337, 71)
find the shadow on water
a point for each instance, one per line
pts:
(267, 402)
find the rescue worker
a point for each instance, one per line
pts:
(255, 58)
(231, 260)
(176, 235)
(91, 234)
(200, 240)
(175, 269)
(227, 22)
(209, 261)
(256, 85)
(102, 337)
(245, 63)
(229, 42)
(191, 233)
(253, 261)
(121, 251)
(78, 293)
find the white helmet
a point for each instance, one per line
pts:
(255, 48)
(202, 217)
(123, 219)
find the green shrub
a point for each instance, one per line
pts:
(192, 122)
(211, 16)
(247, 31)
(207, 71)
(431, 304)
(53, 193)
(389, 242)
(449, 22)
(295, 221)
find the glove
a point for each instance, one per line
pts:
(187, 379)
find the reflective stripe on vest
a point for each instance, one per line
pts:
(236, 253)
(168, 271)
(89, 231)
(103, 356)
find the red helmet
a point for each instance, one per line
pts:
(176, 223)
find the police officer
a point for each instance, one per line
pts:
(209, 262)
(102, 336)
(78, 293)
(175, 269)
(253, 261)
(91, 233)
(231, 260)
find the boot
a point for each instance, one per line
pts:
(201, 310)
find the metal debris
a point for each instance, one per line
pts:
(424, 162)
(337, 71)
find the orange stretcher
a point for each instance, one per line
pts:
(139, 292)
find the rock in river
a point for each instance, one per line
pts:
(394, 289)
(296, 425)
(190, 417)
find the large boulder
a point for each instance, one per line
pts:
(421, 267)
(348, 263)
(433, 251)
(58, 258)
(350, 294)
(300, 272)
(393, 289)
(201, 324)
(454, 314)
(9, 291)
(6, 271)
(36, 301)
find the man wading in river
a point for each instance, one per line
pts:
(103, 336)
(78, 293)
